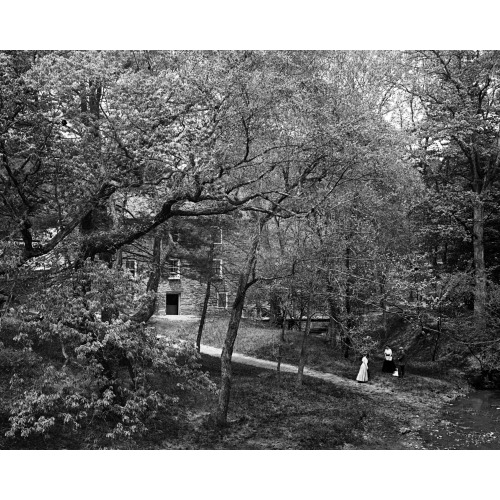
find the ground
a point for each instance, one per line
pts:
(319, 415)
(330, 410)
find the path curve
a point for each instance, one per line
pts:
(271, 365)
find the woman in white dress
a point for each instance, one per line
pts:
(363, 370)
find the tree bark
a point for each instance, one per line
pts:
(232, 329)
(148, 307)
(278, 364)
(303, 348)
(227, 352)
(438, 338)
(334, 316)
(283, 326)
(348, 304)
(155, 274)
(479, 265)
(203, 314)
(383, 304)
(275, 309)
(206, 300)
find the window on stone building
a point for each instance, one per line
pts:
(131, 266)
(217, 236)
(174, 269)
(217, 268)
(222, 300)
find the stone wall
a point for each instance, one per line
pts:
(192, 295)
(190, 290)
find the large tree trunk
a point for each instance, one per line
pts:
(155, 274)
(348, 303)
(383, 304)
(203, 314)
(99, 219)
(275, 309)
(283, 325)
(333, 313)
(207, 297)
(232, 329)
(303, 349)
(148, 307)
(479, 265)
(279, 357)
(227, 352)
(118, 221)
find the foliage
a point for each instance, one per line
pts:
(87, 383)
(373, 177)
(454, 112)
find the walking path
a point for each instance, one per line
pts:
(284, 367)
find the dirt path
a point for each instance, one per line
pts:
(373, 387)
(328, 377)
(412, 404)
(421, 409)
(271, 365)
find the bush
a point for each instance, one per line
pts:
(88, 372)
(20, 362)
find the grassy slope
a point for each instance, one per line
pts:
(318, 415)
(263, 415)
(257, 339)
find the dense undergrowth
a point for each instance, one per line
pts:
(264, 413)
(55, 395)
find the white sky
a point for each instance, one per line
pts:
(255, 24)
(248, 24)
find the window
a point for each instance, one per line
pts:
(217, 236)
(131, 266)
(217, 268)
(174, 269)
(41, 263)
(222, 300)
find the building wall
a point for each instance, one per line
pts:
(191, 291)
(192, 295)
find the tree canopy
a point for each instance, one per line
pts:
(354, 185)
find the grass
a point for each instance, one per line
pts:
(257, 339)
(317, 415)
(266, 415)
(251, 334)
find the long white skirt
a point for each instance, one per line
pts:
(363, 374)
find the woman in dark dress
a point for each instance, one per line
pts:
(389, 366)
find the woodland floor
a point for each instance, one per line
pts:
(384, 414)
(330, 410)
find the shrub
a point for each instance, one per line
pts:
(106, 372)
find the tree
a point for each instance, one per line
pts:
(343, 141)
(246, 279)
(167, 132)
(453, 98)
(175, 134)
(94, 385)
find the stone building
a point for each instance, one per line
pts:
(183, 282)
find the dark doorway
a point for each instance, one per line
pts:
(172, 304)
